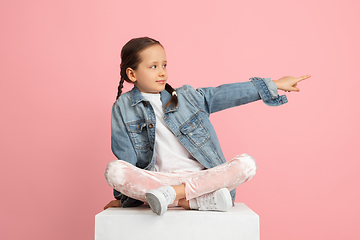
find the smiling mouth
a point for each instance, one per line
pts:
(161, 81)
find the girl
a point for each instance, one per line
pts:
(169, 151)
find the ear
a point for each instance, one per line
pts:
(131, 74)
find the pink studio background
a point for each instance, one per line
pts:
(59, 75)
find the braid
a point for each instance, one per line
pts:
(121, 83)
(174, 99)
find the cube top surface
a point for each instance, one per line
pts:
(239, 208)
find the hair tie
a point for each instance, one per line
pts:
(174, 93)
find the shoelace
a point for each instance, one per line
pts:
(207, 201)
(167, 195)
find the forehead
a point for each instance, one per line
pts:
(153, 53)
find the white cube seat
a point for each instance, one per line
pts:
(240, 222)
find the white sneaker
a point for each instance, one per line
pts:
(160, 198)
(219, 200)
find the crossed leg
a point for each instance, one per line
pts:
(135, 182)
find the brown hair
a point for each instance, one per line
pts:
(130, 58)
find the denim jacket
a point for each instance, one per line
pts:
(133, 123)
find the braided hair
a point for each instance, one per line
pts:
(130, 58)
(173, 100)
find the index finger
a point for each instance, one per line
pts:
(302, 78)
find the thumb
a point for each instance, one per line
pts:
(295, 89)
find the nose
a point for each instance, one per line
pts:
(162, 72)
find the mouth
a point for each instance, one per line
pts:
(161, 81)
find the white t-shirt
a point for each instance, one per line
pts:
(171, 156)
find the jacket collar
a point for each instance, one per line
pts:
(136, 97)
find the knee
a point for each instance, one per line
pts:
(114, 173)
(247, 165)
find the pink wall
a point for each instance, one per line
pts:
(59, 75)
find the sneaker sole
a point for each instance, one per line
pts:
(154, 200)
(225, 197)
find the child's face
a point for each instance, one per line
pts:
(151, 74)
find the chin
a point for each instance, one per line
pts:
(162, 89)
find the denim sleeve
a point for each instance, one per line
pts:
(121, 144)
(214, 99)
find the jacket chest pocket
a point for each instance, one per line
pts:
(195, 131)
(138, 134)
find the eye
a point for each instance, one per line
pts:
(165, 65)
(153, 66)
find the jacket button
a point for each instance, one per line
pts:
(151, 125)
(145, 104)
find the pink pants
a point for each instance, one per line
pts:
(135, 182)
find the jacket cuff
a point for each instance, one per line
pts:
(265, 93)
(272, 87)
